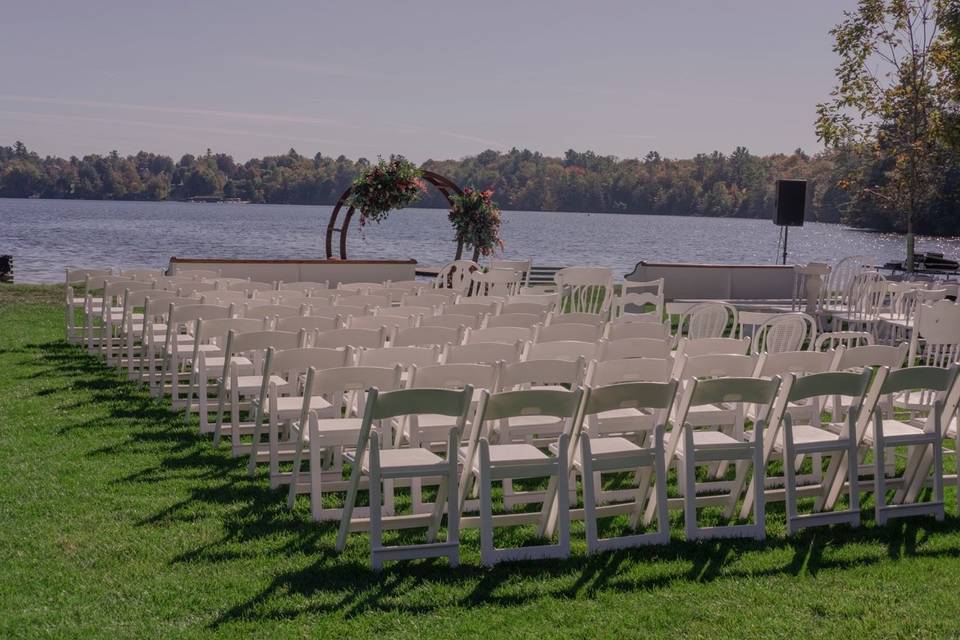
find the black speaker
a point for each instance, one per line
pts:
(791, 203)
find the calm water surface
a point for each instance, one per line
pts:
(45, 236)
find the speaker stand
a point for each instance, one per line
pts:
(786, 234)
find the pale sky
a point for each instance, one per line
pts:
(426, 79)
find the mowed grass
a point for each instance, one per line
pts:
(118, 520)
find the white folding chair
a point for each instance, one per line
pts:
(485, 463)
(383, 464)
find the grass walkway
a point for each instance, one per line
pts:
(118, 520)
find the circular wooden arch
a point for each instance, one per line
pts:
(443, 184)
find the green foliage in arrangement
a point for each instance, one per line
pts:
(476, 221)
(387, 185)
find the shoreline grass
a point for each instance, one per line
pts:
(119, 520)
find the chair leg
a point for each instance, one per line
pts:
(790, 479)
(453, 492)
(689, 490)
(879, 481)
(660, 492)
(487, 555)
(221, 401)
(589, 493)
(376, 532)
(759, 500)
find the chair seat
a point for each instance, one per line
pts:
(253, 383)
(893, 429)
(809, 434)
(288, 405)
(215, 363)
(186, 348)
(712, 440)
(611, 447)
(337, 431)
(400, 460)
(510, 454)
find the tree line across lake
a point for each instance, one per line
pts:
(738, 184)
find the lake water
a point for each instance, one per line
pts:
(45, 236)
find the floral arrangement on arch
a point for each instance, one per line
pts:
(389, 184)
(476, 220)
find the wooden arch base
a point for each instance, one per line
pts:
(443, 184)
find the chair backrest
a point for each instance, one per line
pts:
(708, 320)
(629, 370)
(533, 372)
(635, 300)
(837, 287)
(429, 299)
(138, 298)
(577, 317)
(425, 336)
(454, 376)
(189, 313)
(250, 341)
(453, 320)
(456, 275)
(847, 339)
(525, 320)
(195, 289)
(499, 334)
(650, 397)
(522, 266)
(308, 323)
(938, 325)
(215, 330)
(634, 348)
(142, 275)
(196, 274)
(403, 356)
(471, 308)
(80, 276)
(337, 382)
(796, 362)
(705, 346)
(620, 329)
(544, 301)
(407, 285)
(571, 331)
(389, 323)
(585, 289)
(359, 287)
(221, 297)
(729, 390)
(785, 332)
(306, 288)
(496, 282)
(250, 286)
(272, 311)
(562, 350)
(360, 338)
(715, 365)
(288, 363)
(936, 387)
(527, 308)
(483, 352)
(406, 310)
(294, 299)
(875, 355)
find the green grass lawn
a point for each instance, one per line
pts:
(118, 520)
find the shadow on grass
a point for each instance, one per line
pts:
(255, 519)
